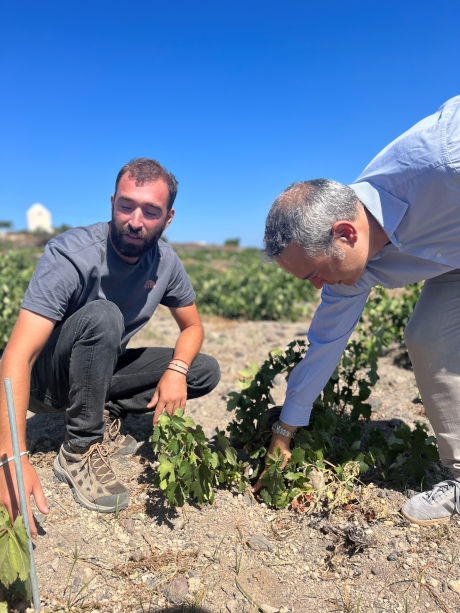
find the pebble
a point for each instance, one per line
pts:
(179, 524)
(177, 590)
(55, 564)
(455, 585)
(129, 525)
(259, 542)
(269, 609)
(391, 557)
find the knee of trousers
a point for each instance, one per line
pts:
(104, 322)
(418, 339)
(209, 375)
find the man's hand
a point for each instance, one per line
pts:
(170, 394)
(9, 496)
(283, 442)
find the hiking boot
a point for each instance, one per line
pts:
(433, 506)
(116, 442)
(88, 472)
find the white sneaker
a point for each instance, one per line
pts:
(433, 506)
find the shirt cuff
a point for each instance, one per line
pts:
(295, 414)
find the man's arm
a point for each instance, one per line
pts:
(332, 325)
(171, 391)
(29, 335)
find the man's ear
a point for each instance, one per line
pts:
(112, 199)
(169, 218)
(345, 230)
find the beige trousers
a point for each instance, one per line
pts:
(433, 340)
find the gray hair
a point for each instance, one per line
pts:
(305, 212)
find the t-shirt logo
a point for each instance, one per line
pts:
(149, 284)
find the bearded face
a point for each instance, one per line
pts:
(139, 216)
(134, 242)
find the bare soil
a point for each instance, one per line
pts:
(238, 555)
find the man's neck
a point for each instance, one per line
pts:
(378, 238)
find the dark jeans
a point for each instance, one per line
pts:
(81, 370)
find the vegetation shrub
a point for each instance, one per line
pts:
(16, 268)
(338, 447)
(237, 283)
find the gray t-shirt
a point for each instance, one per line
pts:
(81, 265)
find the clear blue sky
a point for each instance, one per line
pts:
(237, 99)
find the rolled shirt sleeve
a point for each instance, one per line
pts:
(334, 321)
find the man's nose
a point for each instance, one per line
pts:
(136, 219)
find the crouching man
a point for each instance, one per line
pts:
(93, 289)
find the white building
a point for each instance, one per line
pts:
(39, 219)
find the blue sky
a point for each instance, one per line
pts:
(237, 99)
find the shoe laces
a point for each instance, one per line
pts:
(113, 428)
(97, 456)
(440, 488)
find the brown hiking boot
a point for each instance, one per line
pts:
(88, 472)
(116, 442)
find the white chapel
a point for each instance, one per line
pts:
(39, 219)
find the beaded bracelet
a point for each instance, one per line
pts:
(12, 458)
(179, 371)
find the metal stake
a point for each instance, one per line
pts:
(21, 491)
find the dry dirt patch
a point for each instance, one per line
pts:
(237, 555)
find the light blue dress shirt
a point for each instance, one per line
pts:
(412, 188)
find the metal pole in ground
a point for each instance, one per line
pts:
(21, 491)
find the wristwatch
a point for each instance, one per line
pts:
(277, 428)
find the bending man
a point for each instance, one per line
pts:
(398, 223)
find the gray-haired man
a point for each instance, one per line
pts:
(398, 223)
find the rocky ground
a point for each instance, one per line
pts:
(237, 555)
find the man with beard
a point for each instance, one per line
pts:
(92, 290)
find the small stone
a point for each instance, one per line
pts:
(137, 556)
(177, 590)
(375, 570)
(269, 609)
(455, 585)
(433, 582)
(180, 524)
(55, 564)
(391, 557)
(148, 579)
(129, 525)
(194, 584)
(259, 542)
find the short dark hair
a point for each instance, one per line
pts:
(145, 170)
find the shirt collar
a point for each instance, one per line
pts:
(385, 208)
